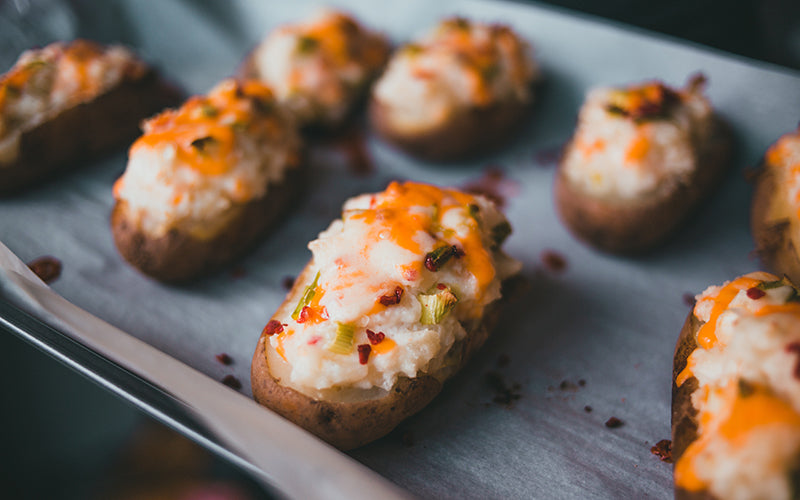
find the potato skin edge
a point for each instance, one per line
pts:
(86, 131)
(774, 244)
(177, 256)
(629, 228)
(469, 132)
(354, 424)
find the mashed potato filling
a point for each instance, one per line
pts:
(318, 68)
(638, 141)
(459, 65)
(398, 276)
(44, 82)
(748, 399)
(215, 152)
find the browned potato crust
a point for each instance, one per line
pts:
(630, 227)
(771, 219)
(348, 425)
(467, 133)
(87, 130)
(178, 256)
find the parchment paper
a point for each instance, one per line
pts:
(607, 321)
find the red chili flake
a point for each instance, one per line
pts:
(755, 293)
(375, 338)
(689, 299)
(232, 382)
(47, 268)
(363, 353)
(287, 282)
(313, 340)
(392, 299)
(274, 326)
(614, 422)
(663, 450)
(553, 261)
(587, 409)
(224, 359)
(305, 314)
(441, 286)
(794, 348)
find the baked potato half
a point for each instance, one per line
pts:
(774, 216)
(736, 392)
(70, 102)
(460, 91)
(640, 162)
(320, 69)
(206, 181)
(400, 293)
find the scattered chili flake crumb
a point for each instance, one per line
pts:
(47, 268)
(689, 300)
(663, 450)
(224, 359)
(408, 439)
(504, 395)
(503, 360)
(587, 409)
(392, 298)
(313, 340)
(363, 353)
(582, 382)
(794, 347)
(614, 422)
(755, 293)
(375, 338)
(238, 272)
(566, 385)
(305, 314)
(232, 382)
(287, 282)
(274, 326)
(554, 261)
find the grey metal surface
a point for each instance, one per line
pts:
(609, 321)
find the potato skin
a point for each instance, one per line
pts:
(771, 224)
(469, 132)
(348, 425)
(632, 227)
(87, 130)
(177, 256)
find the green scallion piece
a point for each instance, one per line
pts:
(343, 343)
(436, 305)
(308, 295)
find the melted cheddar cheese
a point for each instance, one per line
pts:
(378, 266)
(460, 64)
(320, 68)
(194, 164)
(44, 82)
(748, 396)
(638, 141)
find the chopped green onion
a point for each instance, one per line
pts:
(785, 281)
(436, 305)
(306, 44)
(343, 343)
(437, 258)
(473, 210)
(203, 142)
(308, 295)
(500, 232)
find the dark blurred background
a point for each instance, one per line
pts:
(117, 452)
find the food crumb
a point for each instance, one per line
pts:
(504, 394)
(663, 450)
(47, 268)
(287, 282)
(232, 382)
(689, 300)
(582, 382)
(614, 422)
(587, 409)
(566, 385)
(553, 261)
(224, 359)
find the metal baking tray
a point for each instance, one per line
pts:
(598, 334)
